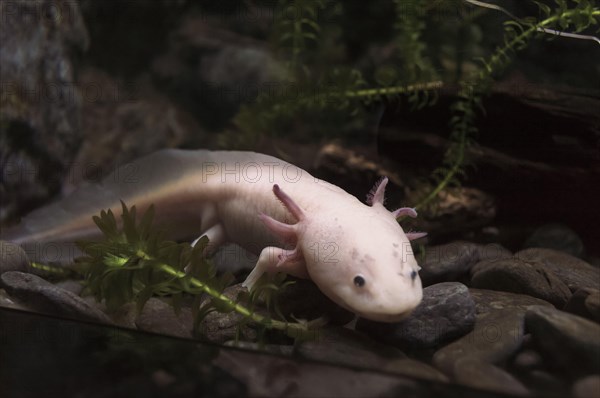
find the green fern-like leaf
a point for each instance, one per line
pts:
(297, 28)
(134, 263)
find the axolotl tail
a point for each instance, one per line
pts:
(162, 178)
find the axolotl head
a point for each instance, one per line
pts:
(360, 257)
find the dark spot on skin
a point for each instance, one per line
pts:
(413, 275)
(395, 254)
(395, 244)
(359, 281)
(354, 254)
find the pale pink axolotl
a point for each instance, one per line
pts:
(357, 254)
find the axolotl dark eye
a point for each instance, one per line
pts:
(359, 281)
(413, 275)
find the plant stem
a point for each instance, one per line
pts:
(51, 269)
(267, 322)
(455, 168)
(392, 90)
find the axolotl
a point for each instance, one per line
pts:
(356, 253)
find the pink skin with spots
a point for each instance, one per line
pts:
(366, 264)
(356, 253)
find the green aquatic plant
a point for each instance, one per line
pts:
(409, 28)
(296, 29)
(333, 97)
(316, 89)
(135, 262)
(517, 35)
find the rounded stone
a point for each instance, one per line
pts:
(343, 346)
(446, 313)
(13, 258)
(527, 360)
(545, 383)
(41, 295)
(567, 341)
(41, 113)
(218, 327)
(587, 387)
(581, 303)
(516, 276)
(558, 237)
(592, 303)
(160, 317)
(73, 286)
(8, 302)
(450, 261)
(496, 337)
(413, 368)
(485, 376)
(487, 301)
(574, 272)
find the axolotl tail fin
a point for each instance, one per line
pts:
(151, 179)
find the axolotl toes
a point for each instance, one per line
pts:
(356, 253)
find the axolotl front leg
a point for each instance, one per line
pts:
(276, 259)
(271, 259)
(291, 262)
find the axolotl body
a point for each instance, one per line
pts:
(357, 254)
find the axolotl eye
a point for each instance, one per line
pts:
(413, 275)
(359, 280)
